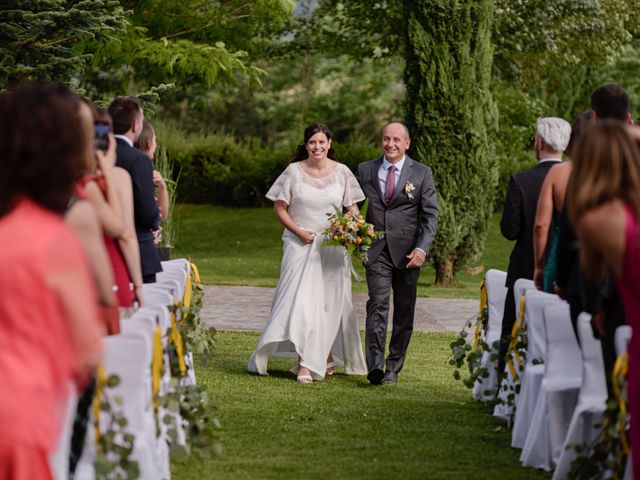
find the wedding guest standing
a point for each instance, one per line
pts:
(128, 117)
(551, 139)
(312, 314)
(148, 144)
(404, 204)
(49, 330)
(549, 212)
(605, 208)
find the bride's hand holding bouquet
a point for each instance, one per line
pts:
(350, 230)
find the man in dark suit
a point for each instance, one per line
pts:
(403, 203)
(128, 117)
(551, 139)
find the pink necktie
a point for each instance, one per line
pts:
(391, 184)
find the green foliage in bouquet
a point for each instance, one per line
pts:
(351, 231)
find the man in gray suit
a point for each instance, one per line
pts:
(403, 203)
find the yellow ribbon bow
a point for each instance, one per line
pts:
(176, 338)
(620, 369)
(484, 300)
(188, 290)
(517, 325)
(156, 364)
(101, 382)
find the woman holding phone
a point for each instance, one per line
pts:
(109, 190)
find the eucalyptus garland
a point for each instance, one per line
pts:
(464, 352)
(114, 444)
(190, 403)
(607, 456)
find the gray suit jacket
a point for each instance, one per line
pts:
(408, 222)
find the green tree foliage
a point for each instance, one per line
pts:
(39, 40)
(451, 116)
(198, 45)
(539, 43)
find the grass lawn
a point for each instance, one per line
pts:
(242, 246)
(426, 427)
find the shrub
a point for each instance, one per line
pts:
(221, 169)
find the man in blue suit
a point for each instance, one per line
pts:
(128, 116)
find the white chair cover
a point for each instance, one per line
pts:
(163, 294)
(59, 459)
(591, 399)
(508, 386)
(156, 295)
(128, 355)
(172, 286)
(177, 274)
(558, 391)
(531, 377)
(484, 389)
(143, 323)
(181, 263)
(622, 337)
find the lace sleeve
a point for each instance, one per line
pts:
(281, 188)
(352, 191)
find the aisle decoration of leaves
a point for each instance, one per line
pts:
(114, 444)
(607, 456)
(464, 352)
(190, 402)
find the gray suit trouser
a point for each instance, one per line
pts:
(382, 277)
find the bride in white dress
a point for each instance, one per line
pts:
(312, 316)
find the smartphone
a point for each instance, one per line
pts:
(102, 131)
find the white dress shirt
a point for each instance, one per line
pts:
(383, 172)
(126, 139)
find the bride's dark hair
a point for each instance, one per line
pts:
(301, 150)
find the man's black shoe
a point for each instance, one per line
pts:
(375, 376)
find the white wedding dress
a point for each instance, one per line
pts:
(312, 311)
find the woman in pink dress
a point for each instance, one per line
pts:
(605, 208)
(49, 330)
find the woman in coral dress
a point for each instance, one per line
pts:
(49, 327)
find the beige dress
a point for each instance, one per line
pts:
(312, 311)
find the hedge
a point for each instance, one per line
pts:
(221, 169)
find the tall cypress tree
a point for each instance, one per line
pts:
(451, 117)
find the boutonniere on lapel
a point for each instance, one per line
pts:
(408, 189)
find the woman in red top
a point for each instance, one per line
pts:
(109, 190)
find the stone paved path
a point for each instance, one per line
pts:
(247, 308)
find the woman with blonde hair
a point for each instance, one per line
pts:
(605, 209)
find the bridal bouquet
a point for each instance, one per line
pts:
(351, 232)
